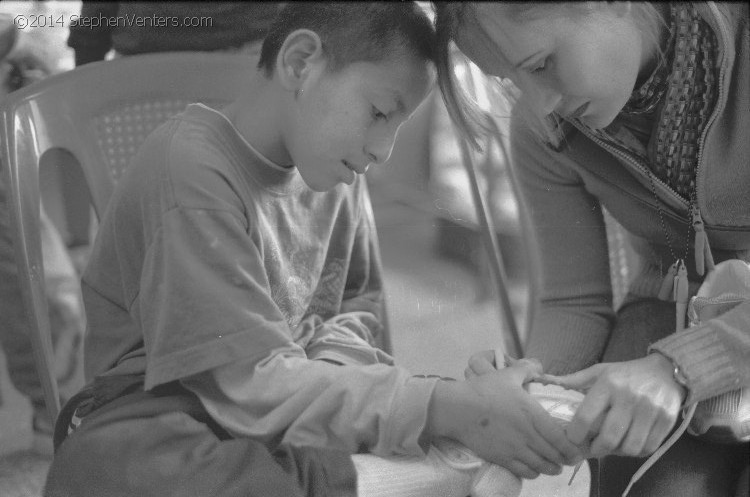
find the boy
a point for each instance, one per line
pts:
(234, 290)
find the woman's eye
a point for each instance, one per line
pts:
(539, 67)
(377, 114)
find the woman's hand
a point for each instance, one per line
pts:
(629, 409)
(496, 418)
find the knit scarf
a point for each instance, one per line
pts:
(681, 92)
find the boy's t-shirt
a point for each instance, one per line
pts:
(210, 255)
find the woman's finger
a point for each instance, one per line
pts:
(581, 381)
(659, 431)
(589, 416)
(614, 427)
(554, 445)
(644, 420)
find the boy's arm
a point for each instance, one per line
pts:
(347, 338)
(383, 410)
(286, 398)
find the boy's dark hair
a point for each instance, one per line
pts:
(353, 31)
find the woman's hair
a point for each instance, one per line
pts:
(353, 31)
(451, 18)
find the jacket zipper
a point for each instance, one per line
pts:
(720, 97)
(633, 162)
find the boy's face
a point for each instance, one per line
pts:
(342, 122)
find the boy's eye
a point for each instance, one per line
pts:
(376, 114)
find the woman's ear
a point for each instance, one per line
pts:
(301, 51)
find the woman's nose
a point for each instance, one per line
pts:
(550, 101)
(378, 151)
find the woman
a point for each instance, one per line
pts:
(641, 109)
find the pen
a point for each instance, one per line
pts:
(575, 472)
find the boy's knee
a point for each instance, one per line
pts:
(79, 467)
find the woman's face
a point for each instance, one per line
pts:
(583, 65)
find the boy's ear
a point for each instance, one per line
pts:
(301, 50)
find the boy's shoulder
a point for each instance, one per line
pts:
(197, 139)
(188, 154)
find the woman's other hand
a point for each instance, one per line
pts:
(629, 409)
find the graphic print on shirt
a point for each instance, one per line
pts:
(326, 301)
(296, 288)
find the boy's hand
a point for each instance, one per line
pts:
(492, 415)
(480, 364)
(629, 407)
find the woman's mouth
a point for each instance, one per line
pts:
(355, 168)
(579, 112)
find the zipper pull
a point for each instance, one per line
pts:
(681, 296)
(667, 284)
(703, 257)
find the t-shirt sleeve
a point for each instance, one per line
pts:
(204, 297)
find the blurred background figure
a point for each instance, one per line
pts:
(194, 26)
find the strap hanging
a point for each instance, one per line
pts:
(667, 285)
(681, 295)
(703, 257)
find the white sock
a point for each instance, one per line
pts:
(448, 470)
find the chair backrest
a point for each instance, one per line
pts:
(99, 114)
(482, 200)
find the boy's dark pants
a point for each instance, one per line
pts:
(690, 468)
(163, 443)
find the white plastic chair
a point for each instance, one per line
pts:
(98, 115)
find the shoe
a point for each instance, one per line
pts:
(559, 402)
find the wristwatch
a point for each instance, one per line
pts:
(679, 376)
(681, 380)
